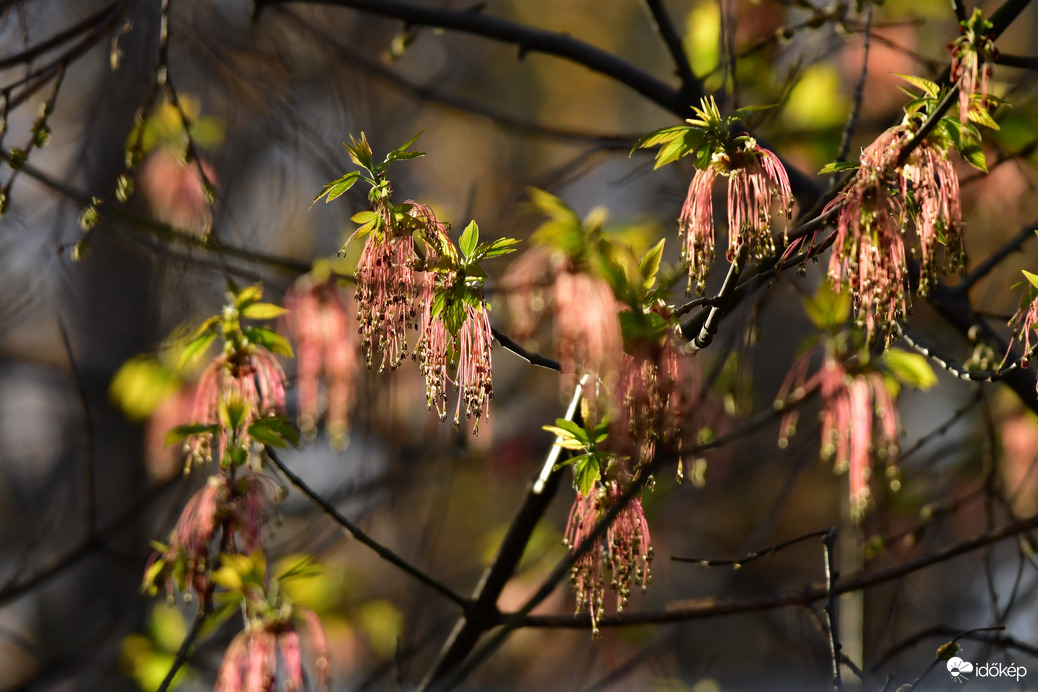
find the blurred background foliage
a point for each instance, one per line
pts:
(271, 98)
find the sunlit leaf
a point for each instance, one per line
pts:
(910, 369)
(262, 311)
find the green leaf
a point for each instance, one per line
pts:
(264, 433)
(670, 152)
(979, 114)
(360, 151)
(182, 432)
(974, 156)
(573, 429)
(407, 145)
(270, 340)
(931, 89)
(194, 349)
(660, 136)
(828, 309)
(454, 314)
(439, 302)
(247, 296)
(839, 166)
(1033, 278)
(262, 311)
(910, 369)
(649, 264)
(587, 471)
(337, 188)
(501, 246)
(364, 217)
(140, 385)
(469, 239)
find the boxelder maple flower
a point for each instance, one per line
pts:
(236, 513)
(251, 377)
(587, 330)
(1024, 323)
(756, 181)
(656, 390)
(626, 551)
(852, 405)
(972, 55)
(869, 251)
(327, 352)
(267, 657)
(385, 297)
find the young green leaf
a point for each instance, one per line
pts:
(649, 264)
(195, 348)
(910, 369)
(182, 432)
(839, 167)
(501, 246)
(270, 340)
(1033, 278)
(931, 89)
(587, 471)
(337, 188)
(660, 136)
(469, 239)
(262, 311)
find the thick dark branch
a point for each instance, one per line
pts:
(355, 531)
(683, 611)
(527, 39)
(1024, 62)
(690, 86)
(529, 356)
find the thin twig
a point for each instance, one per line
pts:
(87, 474)
(185, 646)
(355, 531)
(756, 555)
(859, 91)
(690, 86)
(831, 614)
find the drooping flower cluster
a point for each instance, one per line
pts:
(1025, 323)
(860, 421)
(587, 331)
(251, 378)
(625, 552)
(386, 280)
(757, 183)
(869, 252)
(327, 355)
(228, 516)
(656, 392)
(267, 656)
(973, 53)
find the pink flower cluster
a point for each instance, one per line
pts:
(1024, 323)
(757, 181)
(252, 377)
(869, 250)
(860, 421)
(327, 355)
(234, 513)
(385, 297)
(268, 657)
(625, 553)
(657, 391)
(587, 329)
(972, 55)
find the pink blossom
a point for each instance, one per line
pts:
(625, 553)
(472, 348)
(757, 181)
(527, 286)
(1023, 324)
(252, 377)
(267, 657)
(234, 513)
(696, 225)
(657, 390)
(385, 297)
(869, 252)
(972, 55)
(327, 354)
(587, 327)
(852, 404)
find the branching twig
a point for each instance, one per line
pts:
(355, 531)
(831, 615)
(189, 641)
